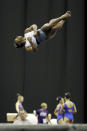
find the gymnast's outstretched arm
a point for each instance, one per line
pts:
(56, 111)
(75, 110)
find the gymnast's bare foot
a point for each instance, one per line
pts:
(68, 13)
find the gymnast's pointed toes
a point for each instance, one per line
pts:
(69, 13)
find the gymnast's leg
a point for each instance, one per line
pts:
(54, 29)
(59, 25)
(53, 22)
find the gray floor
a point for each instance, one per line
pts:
(73, 127)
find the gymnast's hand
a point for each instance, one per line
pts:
(34, 47)
(35, 33)
(28, 48)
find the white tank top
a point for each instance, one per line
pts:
(30, 34)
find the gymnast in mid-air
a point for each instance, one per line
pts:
(33, 36)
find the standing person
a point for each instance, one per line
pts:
(69, 108)
(42, 114)
(58, 114)
(33, 36)
(20, 100)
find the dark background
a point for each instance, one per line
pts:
(58, 65)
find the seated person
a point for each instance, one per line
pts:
(24, 118)
(21, 119)
(42, 114)
(51, 121)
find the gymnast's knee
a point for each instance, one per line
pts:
(45, 26)
(52, 20)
